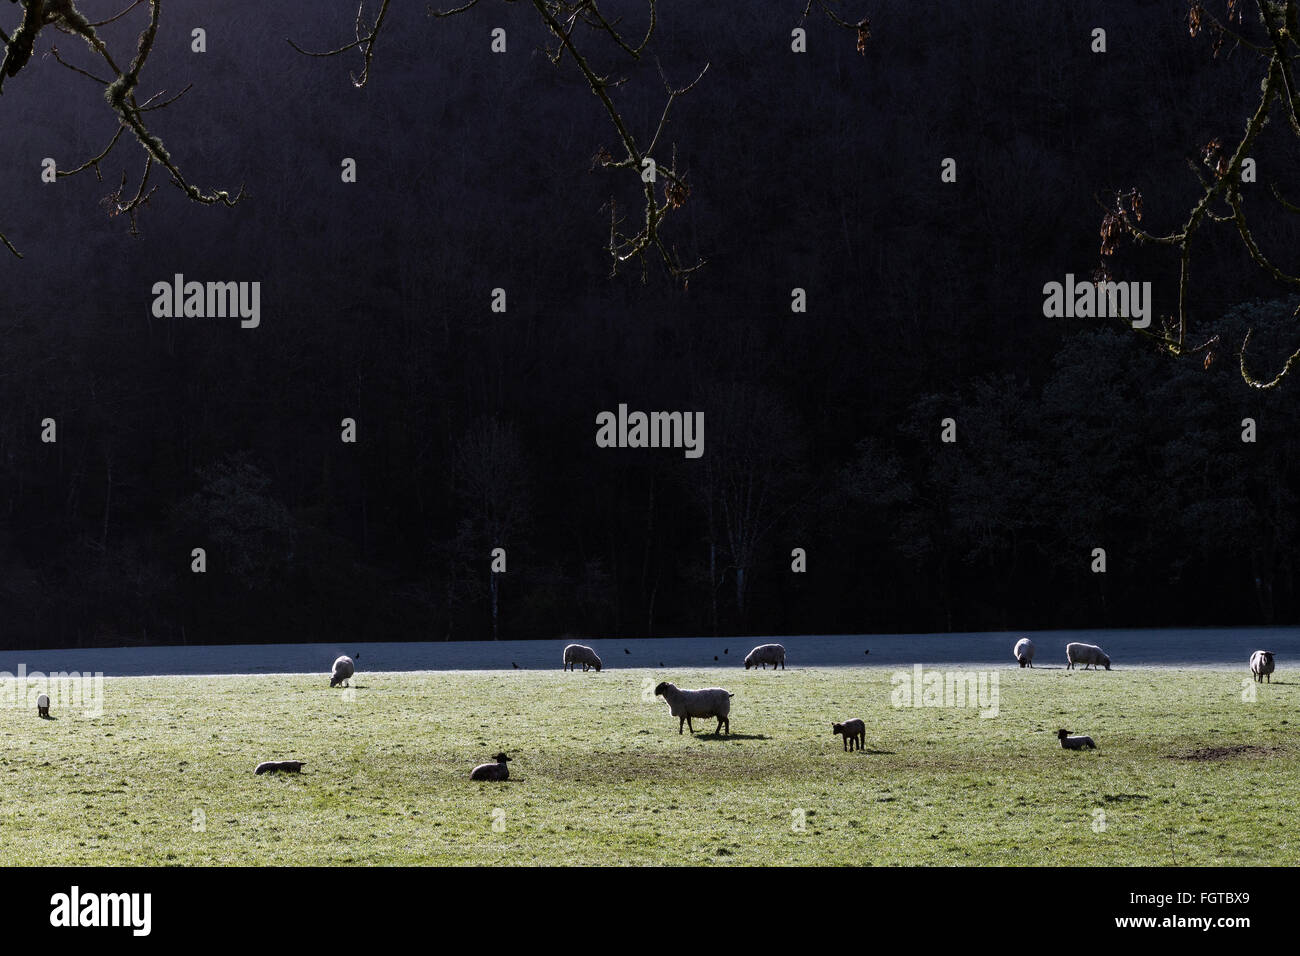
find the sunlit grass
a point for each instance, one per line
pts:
(601, 776)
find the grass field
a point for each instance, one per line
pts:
(1186, 772)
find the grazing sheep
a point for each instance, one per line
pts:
(1075, 743)
(765, 654)
(576, 654)
(343, 669)
(1085, 654)
(1261, 665)
(1024, 651)
(43, 702)
(708, 702)
(854, 731)
(273, 766)
(492, 771)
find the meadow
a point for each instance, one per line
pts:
(1187, 771)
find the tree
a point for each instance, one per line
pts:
(1275, 41)
(491, 481)
(119, 91)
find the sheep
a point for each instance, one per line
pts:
(576, 654)
(1261, 665)
(1024, 651)
(343, 669)
(708, 702)
(492, 771)
(766, 654)
(273, 766)
(1085, 654)
(1075, 743)
(854, 730)
(43, 702)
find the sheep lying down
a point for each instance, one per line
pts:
(492, 771)
(706, 702)
(275, 766)
(1075, 743)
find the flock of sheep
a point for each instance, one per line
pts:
(1261, 666)
(715, 702)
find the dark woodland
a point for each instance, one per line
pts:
(476, 429)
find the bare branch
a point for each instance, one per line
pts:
(365, 42)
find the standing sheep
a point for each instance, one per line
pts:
(685, 704)
(576, 654)
(1261, 665)
(492, 771)
(43, 703)
(1024, 651)
(765, 654)
(343, 669)
(854, 731)
(1085, 654)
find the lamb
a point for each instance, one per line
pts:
(1024, 651)
(1075, 743)
(854, 731)
(708, 702)
(1085, 654)
(43, 701)
(1261, 665)
(576, 654)
(274, 766)
(766, 654)
(492, 771)
(343, 669)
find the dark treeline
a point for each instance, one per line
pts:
(476, 430)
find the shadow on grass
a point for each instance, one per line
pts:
(717, 736)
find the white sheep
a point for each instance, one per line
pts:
(708, 702)
(854, 731)
(576, 654)
(492, 771)
(1075, 743)
(43, 703)
(1024, 651)
(765, 654)
(1085, 654)
(1261, 665)
(343, 669)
